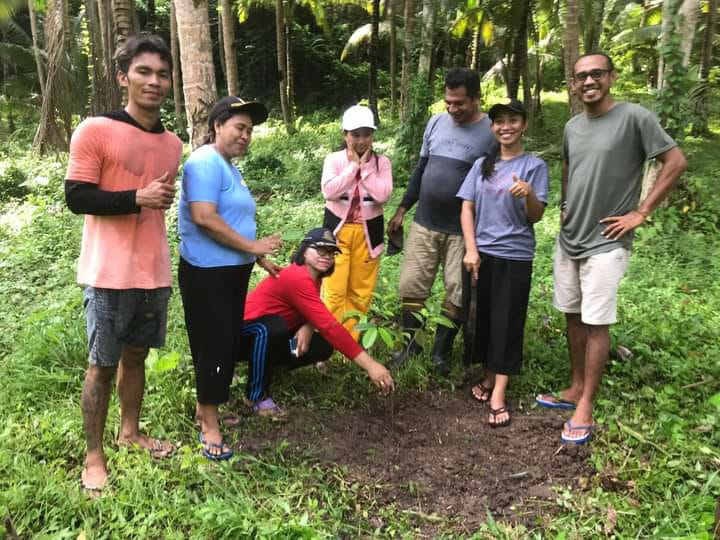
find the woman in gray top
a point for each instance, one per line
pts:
(502, 196)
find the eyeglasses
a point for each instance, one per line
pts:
(596, 75)
(326, 252)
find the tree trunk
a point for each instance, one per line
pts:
(393, 56)
(690, 12)
(150, 23)
(50, 135)
(281, 45)
(228, 34)
(679, 16)
(36, 46)
(289, 65)
(429, 13)
(177, 77)
(374, 48)
(106, 95)
(535, 117)
(407, 59)
(198, 69)
(123, 17)
(700, 123)
(518, 57)
(571, 52)
(594, 25)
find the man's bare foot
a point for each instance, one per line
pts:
(156, 448)
(93, 478)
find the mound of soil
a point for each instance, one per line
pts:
(434, 454)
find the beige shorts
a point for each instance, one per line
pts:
(589, 286)
(425, 250)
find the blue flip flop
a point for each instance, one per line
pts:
(582, 439)
(207, 446)
(556, 403)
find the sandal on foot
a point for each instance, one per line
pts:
(581, 439)
(208, 447)
(92, 490)
(554, 401)
(268, 408)
(494, 413)
(481, 393)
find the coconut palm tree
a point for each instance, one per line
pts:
(198, 68)
(700, 124)
(571, 44)
(227, 23)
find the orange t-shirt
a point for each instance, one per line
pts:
(127, 251)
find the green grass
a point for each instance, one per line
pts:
(657, 457)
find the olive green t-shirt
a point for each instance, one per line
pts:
(605, 157)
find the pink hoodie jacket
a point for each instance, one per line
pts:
(339, 178)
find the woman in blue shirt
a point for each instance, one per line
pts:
(218, 248)
(503, 195)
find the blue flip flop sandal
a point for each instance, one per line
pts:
(208, 446)
(582, 439)
(554, 401)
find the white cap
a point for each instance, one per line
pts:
(358, 116)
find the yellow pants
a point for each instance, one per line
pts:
(351, 285)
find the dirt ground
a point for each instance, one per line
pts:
(434, 454)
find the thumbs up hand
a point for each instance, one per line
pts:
(519, 188)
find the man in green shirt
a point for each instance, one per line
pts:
(604, 151)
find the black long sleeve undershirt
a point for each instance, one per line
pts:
(87, 198)
(412, 193)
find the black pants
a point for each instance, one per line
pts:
(214, 304)
(503, 291)
(266, 346)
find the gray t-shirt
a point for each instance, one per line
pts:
(501, 225)
(451, 149)
(605, 157)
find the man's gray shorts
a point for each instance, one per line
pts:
(135, 317)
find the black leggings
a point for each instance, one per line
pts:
(266, 346)
(503, 291)
(214, 304)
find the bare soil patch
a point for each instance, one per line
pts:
(434, 454)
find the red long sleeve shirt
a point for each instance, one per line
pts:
(295, 296)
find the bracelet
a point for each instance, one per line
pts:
(563, 206)
(645, 215)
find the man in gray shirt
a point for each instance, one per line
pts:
(451, 144)
(604, 150)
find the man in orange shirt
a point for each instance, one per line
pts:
(121, 175)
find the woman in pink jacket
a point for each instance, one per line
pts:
(356, 183)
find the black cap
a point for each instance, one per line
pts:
(513, 105)
(233, 104)
(321, 237)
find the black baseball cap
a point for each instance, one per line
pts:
(321, 237)
(233, 104)
(513, 106)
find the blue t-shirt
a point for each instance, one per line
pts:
(501, 225)
(208, 177)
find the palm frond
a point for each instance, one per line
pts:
(362, 35)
